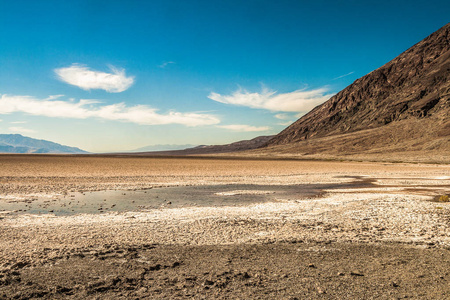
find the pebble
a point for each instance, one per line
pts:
(209, 282)
(142, 290)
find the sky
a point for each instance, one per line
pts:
(110, 76)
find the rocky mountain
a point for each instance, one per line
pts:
(210, 149)
(16, 143)
(406, 103)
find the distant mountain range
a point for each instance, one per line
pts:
(401, 107)
(166, 147)
(16, 143)
(212, 149)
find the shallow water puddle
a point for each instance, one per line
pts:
(165, 197)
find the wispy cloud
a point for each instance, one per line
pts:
(21, 129)
(342, 76)
(300, 114)
(287, 123)
(287, 118)
(86, 79)
(165, 64)
(18, 122)
(282, 116)
(296, 101)
(53, 97)
(82, 109)
(244, 128)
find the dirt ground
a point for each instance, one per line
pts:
(262, 271)
(385, 240)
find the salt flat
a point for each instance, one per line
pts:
(388, 232)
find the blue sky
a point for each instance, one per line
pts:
(119, 75)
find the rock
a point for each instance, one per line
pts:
(209, 282)
(175, 264)
(155, 267)
(63, 290)
(19, 265)
(141, 291)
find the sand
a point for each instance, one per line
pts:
(386, 240)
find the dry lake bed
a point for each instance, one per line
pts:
(104, 227)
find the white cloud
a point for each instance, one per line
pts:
(299, 115)
(86, 79)
(296, 101)
(53, 97)
(21, 129)
(246, 128)
(139, 114)
(287, 118)
(19, 122)
(165, 64)
(282, 116)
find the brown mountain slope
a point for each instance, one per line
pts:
(402, 106)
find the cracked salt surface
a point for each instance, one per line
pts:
(338, 216)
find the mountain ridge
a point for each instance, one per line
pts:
(413, 87)
(17, 143)
(213, 149)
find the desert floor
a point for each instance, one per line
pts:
(363, 231)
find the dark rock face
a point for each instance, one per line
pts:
(413, 86)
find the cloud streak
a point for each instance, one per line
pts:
(21, 129)
(83, 109)
(244, 128)
(86, 79)
(287, 123)
(342, 76)
(297, 101)
(165, 64)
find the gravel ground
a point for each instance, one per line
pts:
(388, 240)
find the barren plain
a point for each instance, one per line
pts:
(366, 231)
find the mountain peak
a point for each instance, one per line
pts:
(412, 87)
(17, 143)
